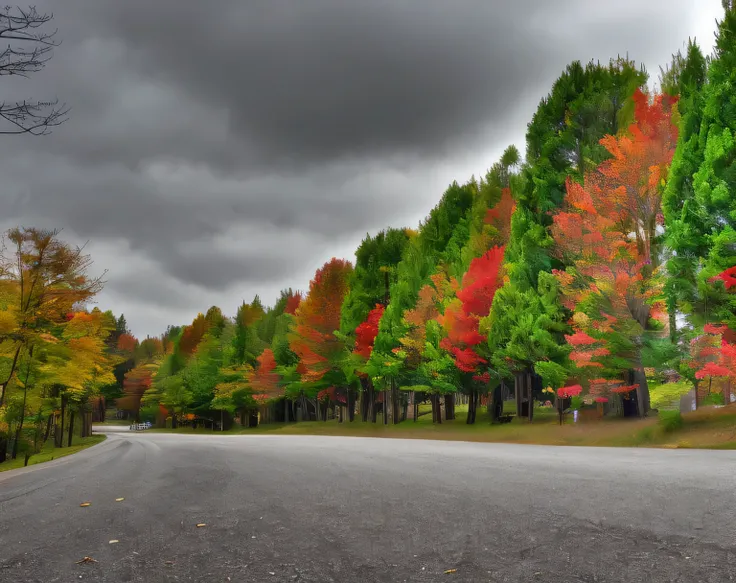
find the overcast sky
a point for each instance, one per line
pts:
(221, 149)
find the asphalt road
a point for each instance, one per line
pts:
(323, 509)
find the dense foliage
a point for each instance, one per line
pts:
(604, 261)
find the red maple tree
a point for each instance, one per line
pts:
(366, 332)
(461, 319)
(292, 303)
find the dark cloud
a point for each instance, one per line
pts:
(220, 149)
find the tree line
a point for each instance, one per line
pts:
(600, 263)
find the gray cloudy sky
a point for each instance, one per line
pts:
(221, 149)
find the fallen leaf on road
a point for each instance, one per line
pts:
(449, 571)
(113, 541)
(119, 499)
(201, 524)
(83, 504)
(86, 560)
(168, 563)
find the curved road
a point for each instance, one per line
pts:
(324, 509)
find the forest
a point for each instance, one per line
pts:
(596, 266)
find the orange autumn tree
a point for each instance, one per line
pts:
(313, 338)
(193, 334)
(264, 381)
(137, 381)
(607, 236)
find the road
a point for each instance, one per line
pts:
(324, 509)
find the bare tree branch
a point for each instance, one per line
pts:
(29, 53)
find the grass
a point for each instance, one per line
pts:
(708, 427)
(49, 452)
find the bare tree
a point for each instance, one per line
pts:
(28, 51)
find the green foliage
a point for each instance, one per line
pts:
(712, 399)
(576, 403)
(699, 206)
(667, 396)
(375, 272)
(670, 421)
(553, 374)
(527, 328)
(247, 344)
(438, 239)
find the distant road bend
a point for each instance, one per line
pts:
(344, 510)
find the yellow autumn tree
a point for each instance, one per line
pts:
(42, 281)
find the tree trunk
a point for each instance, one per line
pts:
(368, 404)
(396, 411)
(48, 427)
(71, 427)
(59, 434)
(351, 408)
(4, 385)
(450, 407)
(436, 409)
(385, 407)
(471, 408)
(642, 393)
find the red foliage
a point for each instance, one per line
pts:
(728, 277)
(462, 316)
(623, 389)
(365, 333)
(317, 318)
(293, 303)
(711, 369)
(571, 391)
(713, 329)
(607, 230)
(481, 282)
(265, 379)
(580, 339)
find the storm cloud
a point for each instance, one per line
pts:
(220, 149)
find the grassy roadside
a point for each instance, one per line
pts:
(49, 452)
(708, 428)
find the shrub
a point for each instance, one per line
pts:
(670, 421)
(667, 396)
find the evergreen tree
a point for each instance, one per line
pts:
(685, 234)
(700, 202)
